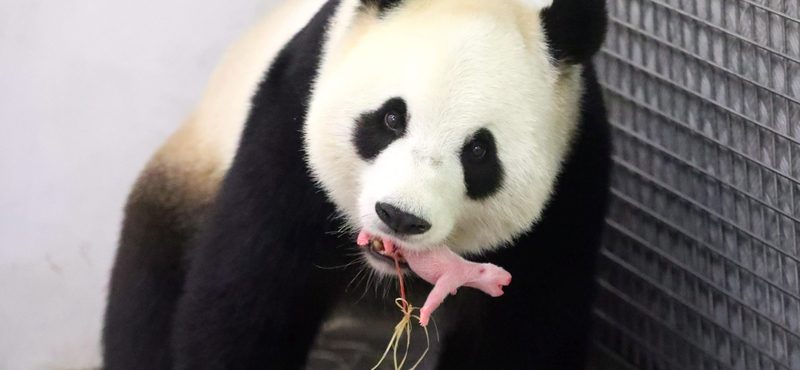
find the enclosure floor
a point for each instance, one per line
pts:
(354, 341)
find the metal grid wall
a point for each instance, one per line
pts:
(700, 268)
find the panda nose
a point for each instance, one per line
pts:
(399, 221)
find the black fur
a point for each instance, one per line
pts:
(148, 274)
(372, 135)
(575, 29)
(484, 175)
(253, 296)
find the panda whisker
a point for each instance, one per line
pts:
(356, 254)
(387, 285)
(360, 271)
(376, 283)
(366, 286)
(346, 265)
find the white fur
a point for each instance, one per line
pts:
(460, 65)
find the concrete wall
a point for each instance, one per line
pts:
(88, 89)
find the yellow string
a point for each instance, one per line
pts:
(404, 326)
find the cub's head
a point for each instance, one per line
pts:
(445, 122)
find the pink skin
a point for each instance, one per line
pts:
(447, 272)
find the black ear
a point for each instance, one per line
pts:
(575, 29)
(381, 5)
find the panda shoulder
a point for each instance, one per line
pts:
(193, 160)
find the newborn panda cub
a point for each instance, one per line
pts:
(467, 137)
(443, 268)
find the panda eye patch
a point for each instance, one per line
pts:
(376, 129)
(483, 171)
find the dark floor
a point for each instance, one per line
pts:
(356, 340)
(351, 342)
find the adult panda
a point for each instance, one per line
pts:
(474, 125)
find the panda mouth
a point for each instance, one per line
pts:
(376, 248)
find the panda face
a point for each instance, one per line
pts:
(440, 123)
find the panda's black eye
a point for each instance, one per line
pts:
(483, 171)
(392, 120)
(478, 149)
(376, 129)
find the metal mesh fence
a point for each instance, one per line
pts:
(700, 266)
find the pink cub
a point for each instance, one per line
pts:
(447, 272)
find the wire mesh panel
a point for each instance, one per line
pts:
(700, 266)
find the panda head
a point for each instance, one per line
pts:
(441, 122)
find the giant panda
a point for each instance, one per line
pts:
(474, 125)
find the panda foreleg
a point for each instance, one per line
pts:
(242, 315)
(161, 218)
(255, 294)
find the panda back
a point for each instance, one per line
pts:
(214, 126)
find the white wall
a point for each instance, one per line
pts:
(88, 89)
